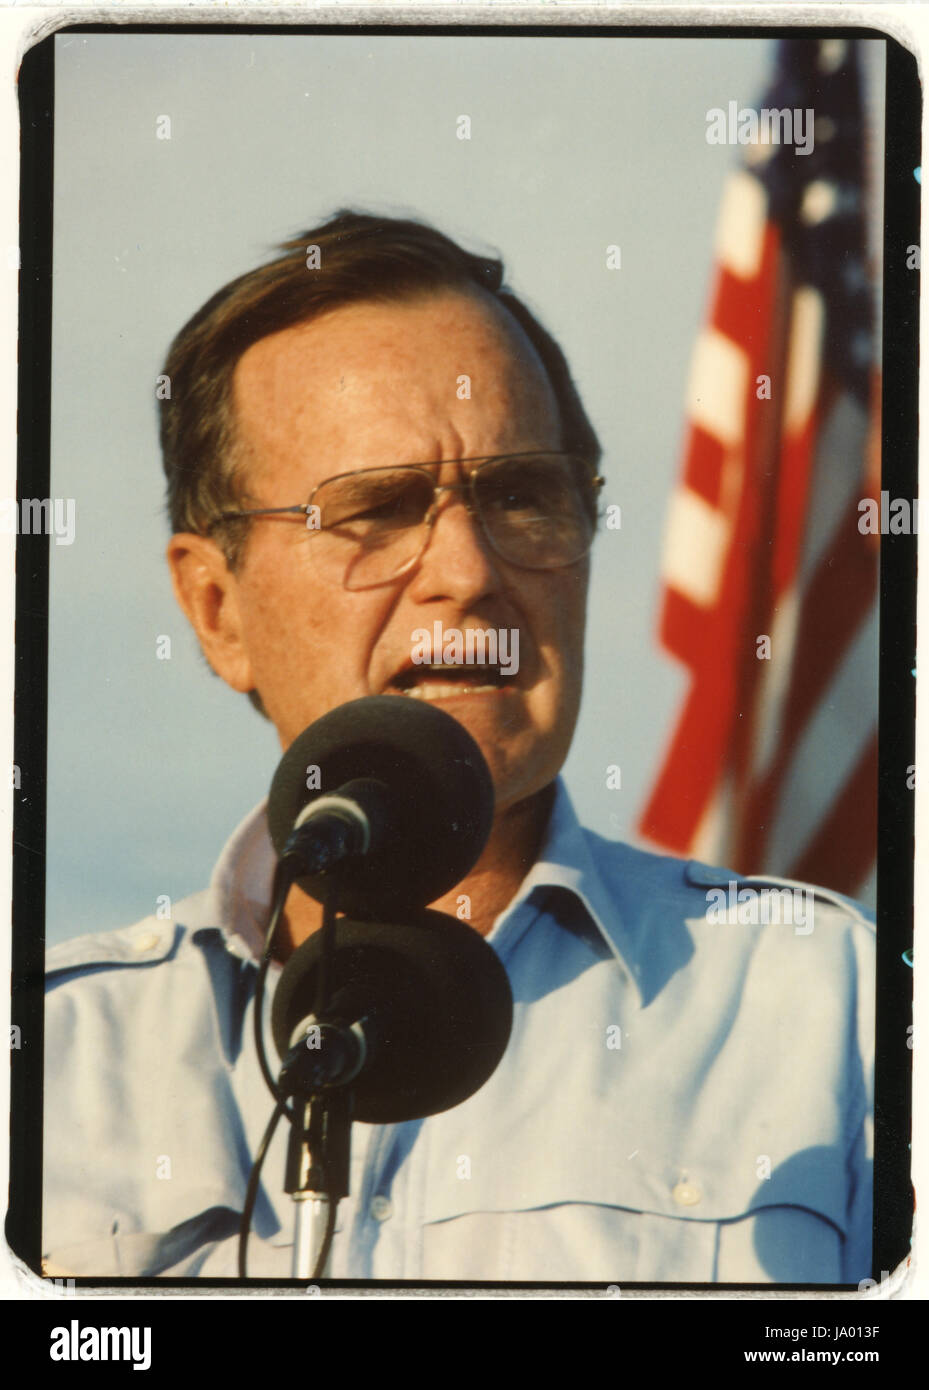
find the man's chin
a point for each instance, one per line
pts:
(521, 758)
(517, 781)
(532, 803)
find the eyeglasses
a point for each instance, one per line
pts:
(537, 511)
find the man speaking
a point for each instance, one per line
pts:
(377, 462)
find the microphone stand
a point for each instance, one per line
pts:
(319, 1087)
(317, 1177)
(318, 1152)
(319, 1080)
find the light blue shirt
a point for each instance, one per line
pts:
(686, 1097)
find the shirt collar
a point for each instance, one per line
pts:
(241, 886)
(566, 861)
(239, 895)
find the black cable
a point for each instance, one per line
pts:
(251, 1194)
(251, 1191)
(282, 886)
(283, 881)
(323, 988)
(326, 953)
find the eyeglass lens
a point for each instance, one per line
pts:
(374, 523)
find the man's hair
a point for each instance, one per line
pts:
(356, 258)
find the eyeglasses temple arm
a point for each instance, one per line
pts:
(264, 511)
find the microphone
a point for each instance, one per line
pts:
(333, 828)
(420, 1016)
(410, 1008)
(400, 811)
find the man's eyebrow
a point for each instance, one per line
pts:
(385, 474)
(364, 482)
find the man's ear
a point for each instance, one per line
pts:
(208, 592)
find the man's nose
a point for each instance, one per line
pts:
(458, 562)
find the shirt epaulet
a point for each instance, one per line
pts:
(145, 943)
(701, 875)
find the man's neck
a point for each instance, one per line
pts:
(513, 847)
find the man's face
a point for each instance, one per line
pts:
(373, 384)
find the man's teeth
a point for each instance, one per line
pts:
(437, 690)
(430, 686)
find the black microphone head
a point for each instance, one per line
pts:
(437, 781)
(434, 1001)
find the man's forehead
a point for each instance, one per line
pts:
(376, 366)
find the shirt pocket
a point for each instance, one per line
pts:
(142, 1254)
(647, 1224)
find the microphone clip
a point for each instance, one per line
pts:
(323, 1056)
(335, 828)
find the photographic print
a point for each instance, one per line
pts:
(470, 479)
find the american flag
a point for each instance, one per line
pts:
(772, 766)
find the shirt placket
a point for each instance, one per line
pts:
(377, 1215)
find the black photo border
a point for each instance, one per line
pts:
(893, 1205)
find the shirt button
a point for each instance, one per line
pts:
(381, 1208)
(147, 942)
(686, 1194)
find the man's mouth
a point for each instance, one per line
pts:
(443, 682)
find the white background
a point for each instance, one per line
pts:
(631, 376)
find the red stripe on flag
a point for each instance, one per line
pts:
(835, 604)
(735, 309)
(843, 849)
(797, 454)
(709, 724)
(703, 465)
(685, 626)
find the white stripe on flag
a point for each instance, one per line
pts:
(708, 843)
(837, 479)
(804, 357)
(695, 545)
(717, 386)
(841, 725)
(741, 225)
(774, 682)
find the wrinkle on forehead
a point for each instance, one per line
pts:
(358, 383)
